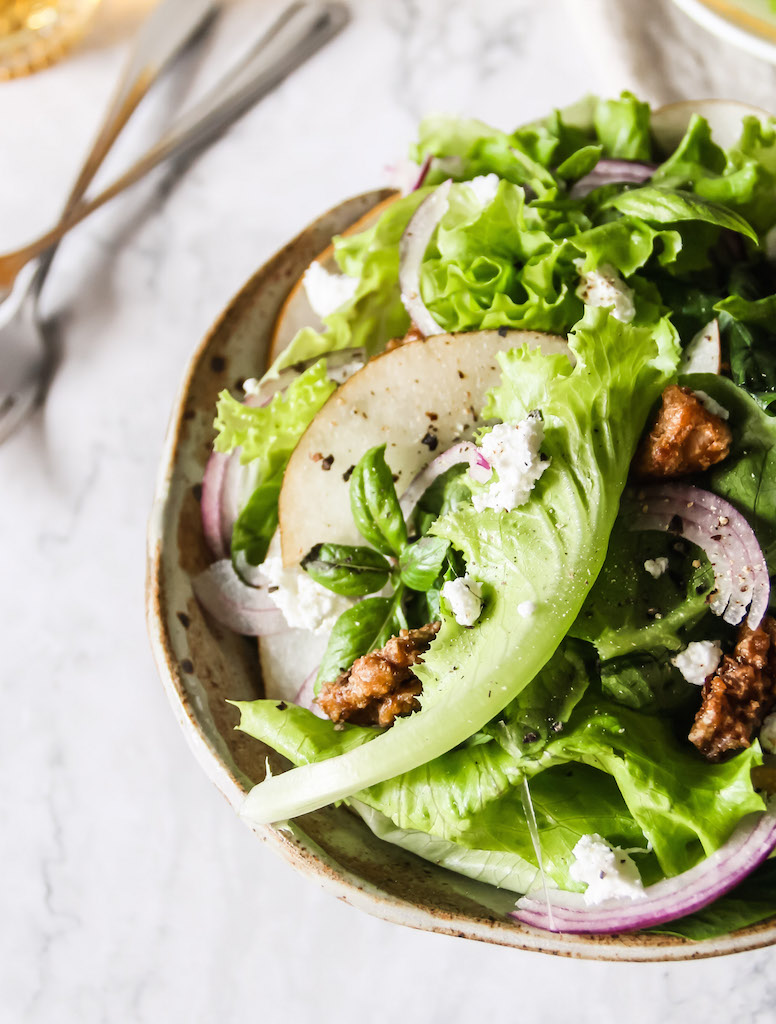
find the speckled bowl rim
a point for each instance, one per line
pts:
(293, 843)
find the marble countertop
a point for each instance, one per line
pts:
(131, 892)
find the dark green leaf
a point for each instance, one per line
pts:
(627, 610)
(374, 503)
(747, 477)
(421, 562)
(646, 682)
(545, 705)
(580, 163)
(257, 522)
(350, 571)
(670, 206)
(365, 627)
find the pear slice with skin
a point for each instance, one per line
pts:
(418, 400)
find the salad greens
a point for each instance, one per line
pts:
(579, 699)
(548, 552)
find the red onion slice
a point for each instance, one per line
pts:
(751, 843)
(422, 173)
(412, 249)
(227, 482)
(740, 573)
(612, 172)
(210, 504)
(244, 609)
(305, 697)
(465, 451)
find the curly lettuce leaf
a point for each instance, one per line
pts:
(267, 434)
(612, 771)
(375, 314)
(743, 178)
(686, 807)
(622, 127)
(503, 870)
(465, 148)
(549, 552)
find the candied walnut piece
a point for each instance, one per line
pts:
(413, 334)
(685, 438)
(380, 686)
(739, 695)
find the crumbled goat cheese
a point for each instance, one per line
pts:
(656, 566)
(464, 596)
(712, 406)
(698, 661)
(768, 734)
(327, 292)
(485, 187)
(608, 872)
(526, 609)
(304, 603)
(605, 288)
(513, 452)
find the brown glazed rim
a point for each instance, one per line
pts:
(201, 664)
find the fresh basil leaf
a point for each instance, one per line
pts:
(421, 562)
(365, 627)
(257, 522)
(668, 206)
(374, 504)
(580, 163)
(350, 571)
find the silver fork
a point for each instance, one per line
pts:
(26, 359)
(25, 356)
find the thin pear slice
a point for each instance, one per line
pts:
(724, 117)
(418, 399)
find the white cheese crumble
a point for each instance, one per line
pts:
(656, 566)
(464, 596)
(304, 603)
(605, 288)
(485, 187)
(526, 609)
(513, 452)
(327, 292)
(698, 660)
(608, 872)
(768, 734)
(711, 405)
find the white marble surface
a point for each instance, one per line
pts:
(130, 892)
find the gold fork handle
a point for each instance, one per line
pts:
(299, 32)
(164, 34)
(167, 30)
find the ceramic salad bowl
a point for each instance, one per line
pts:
(203, 665)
